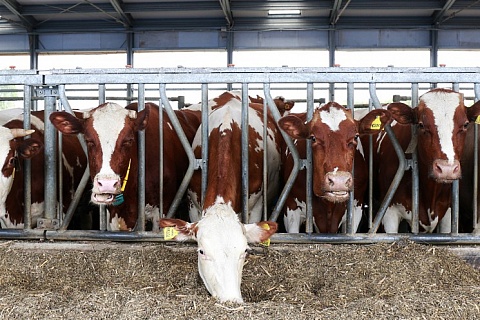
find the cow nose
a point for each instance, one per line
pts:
(108, 185)
(340, 180)
(446, 171)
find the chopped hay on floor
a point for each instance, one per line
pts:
(160, 281)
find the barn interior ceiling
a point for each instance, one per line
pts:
(63, 16)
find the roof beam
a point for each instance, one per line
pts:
(15, 8)
(336, 11)
(440, 14)
(227, 11)
(126, 18)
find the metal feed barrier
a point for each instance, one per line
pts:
(51, 88)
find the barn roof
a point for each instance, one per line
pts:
(33, 17)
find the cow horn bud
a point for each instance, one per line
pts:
(86, 115)
(132, 114)
(18, 133)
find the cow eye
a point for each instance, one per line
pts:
(421, 125)
(12, 161)
(312, 137)
(465, 125)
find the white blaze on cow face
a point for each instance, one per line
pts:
(108, 122)
(333, 117)
(222, 246)
(443, 105)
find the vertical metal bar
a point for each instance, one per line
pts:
(414, 166)
(475, 221)
(370, 176)
(245, 180)
(27, 175)
(455, 207)
(309, 164)
(265, 160)
(205, 134)
(141, 164)
(50, 146)
(351, 199)
(102, 208)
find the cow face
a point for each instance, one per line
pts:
(442, 121)
(222, 247)
(110, 132)
(334, 134)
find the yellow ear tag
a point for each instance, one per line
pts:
(376, 124)
(266, 243)
(169, 233)
(477, 121)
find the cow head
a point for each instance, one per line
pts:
(442, 121)
(283, 106)
(222, 247)
(13, 146)
(110, 132)
(334, 134)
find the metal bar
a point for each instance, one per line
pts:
(205, 135)
(414, 167)
(50, 145)
(402, 164)
(351, 199)
(245, 158)
(27, 175)
(476, 88)
(265, 160)
(295, 156)
(309, 164)
(102, 209)
(141, 164)
(186, 145)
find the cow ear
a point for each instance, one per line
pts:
(29, 148)
(374, 121)
(178, 230)
(473, 112)
(260, 231)
(401, 112)
(66, 123)
(142, 118)
(294, 127)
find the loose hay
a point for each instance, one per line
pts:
(160, 281)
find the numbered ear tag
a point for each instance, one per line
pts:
(169, 233)
(477, 121)
(376, 124)
(266, 243)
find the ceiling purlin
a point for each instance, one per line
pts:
(438, 16)
(337, 11)
(227, 11)
(14, 7)
(126, 17)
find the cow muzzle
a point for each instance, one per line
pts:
(105, 188)
(444, 171)
(337, 186)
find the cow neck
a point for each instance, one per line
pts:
(119, 199)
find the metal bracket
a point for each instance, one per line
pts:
(48, 224)
(51, 91)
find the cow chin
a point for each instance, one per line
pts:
(102, 198)
(336, 196)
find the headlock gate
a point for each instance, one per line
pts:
(51, 88)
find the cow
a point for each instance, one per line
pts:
(225, 155)
(441, 121)
(111, 134)
(336, 150)
(14, 150)
(466, 187)
(222, 238)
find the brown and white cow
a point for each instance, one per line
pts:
(334, 134)
(222, 238)
(284, 106)
(111, 134)
(442, 121)
(14, 149)
(467, 182)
